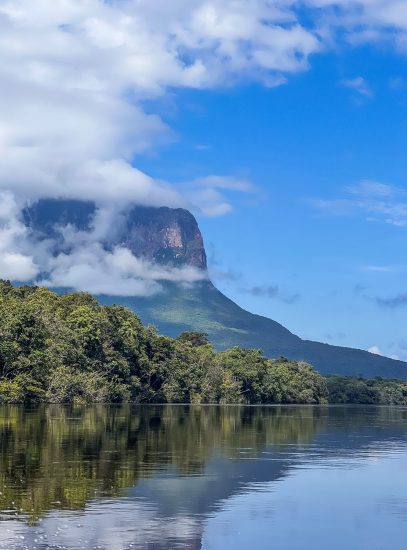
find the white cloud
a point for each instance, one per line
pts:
(380, 268)
(377, 351)
(15, 260)
(117, 273)
(82, 261)
(75, 76)
(207, 193)
(378, 202)
(365, 19)
(225, 182)
(71, 119)
(88, 266)
(359, 85)
(369, 189)
(17, 266)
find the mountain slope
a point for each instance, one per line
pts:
(202, 307)
(172, 237)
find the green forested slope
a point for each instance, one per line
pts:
(69, 348)
(202, 307)
(66, 348)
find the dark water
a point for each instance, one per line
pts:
(153, 477)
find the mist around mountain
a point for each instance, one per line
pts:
(171, 239)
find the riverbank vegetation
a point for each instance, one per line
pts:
(70, 349)
(374, 391)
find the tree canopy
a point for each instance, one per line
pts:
(69, 348)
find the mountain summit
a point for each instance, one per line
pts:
(167, 236)
(171, 237)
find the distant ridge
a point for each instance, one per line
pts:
(172, 237)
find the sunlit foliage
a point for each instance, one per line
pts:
(70, 349)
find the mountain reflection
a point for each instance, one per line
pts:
(60, 457)
(160, 470)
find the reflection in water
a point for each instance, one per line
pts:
(181, 476)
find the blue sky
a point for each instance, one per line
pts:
(280, 123)
(314, 139)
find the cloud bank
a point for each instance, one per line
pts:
(377, 351)
(76, 77)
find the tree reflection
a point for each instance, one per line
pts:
(61, 457)
(56, 457)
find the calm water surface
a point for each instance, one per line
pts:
(152, 477)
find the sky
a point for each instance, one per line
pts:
(280, 124)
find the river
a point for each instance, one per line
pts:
(203, 477)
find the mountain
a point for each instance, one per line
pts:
(172, 237)
(163, 235)
(204, 308)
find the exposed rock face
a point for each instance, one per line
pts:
(164, 235)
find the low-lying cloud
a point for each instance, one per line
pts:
(16, 262)
(377, 351)
(116, 273)
(76, 259)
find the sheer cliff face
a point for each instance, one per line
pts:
(164, 235)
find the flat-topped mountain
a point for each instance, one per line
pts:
(172, 236)
(164, 235)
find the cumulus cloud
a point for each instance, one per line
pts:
(72, 118)
(117, 273)
(15, 260)
(75, 75)
(75, 78)
(364, 21)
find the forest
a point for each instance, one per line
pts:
(70, 349)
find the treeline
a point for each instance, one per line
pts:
(375, 391)
(70, 349)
